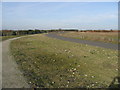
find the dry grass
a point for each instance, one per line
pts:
(52, 63)
(109, 37)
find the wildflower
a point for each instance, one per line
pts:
(88, 86)
(68, 82)
(66, 85)
(65, 50)
(69, 51)
(86, 75)
(96, 82)
(74, 68)
(93, 76)
(78, 65)
(93, 84)
(53, 82)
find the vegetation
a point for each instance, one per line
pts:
(2, 38)
(15, 33)
(21, 32)
(108, 37)
(53, 63)
(7, 34)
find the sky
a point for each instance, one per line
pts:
(60, 0)
(55, 15)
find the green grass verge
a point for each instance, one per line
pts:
(53, 63)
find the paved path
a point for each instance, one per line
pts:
(93, 43)
(0, 65)
(11, 75)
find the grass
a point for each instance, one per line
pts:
(53, 63)
(108, 37)
(2, 38)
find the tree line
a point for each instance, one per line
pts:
(20, 32)
(27, 32)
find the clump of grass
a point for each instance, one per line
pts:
(52, 63)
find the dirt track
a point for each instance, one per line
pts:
(11, 75)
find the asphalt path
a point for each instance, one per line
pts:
(0, 65)
(88, 42)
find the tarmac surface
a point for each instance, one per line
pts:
(93, 43)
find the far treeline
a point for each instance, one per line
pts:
(27, 32)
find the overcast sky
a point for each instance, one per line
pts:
(54, 15)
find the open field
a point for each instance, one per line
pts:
(53, 63)
(109, 37)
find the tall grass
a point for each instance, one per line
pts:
(108, 37)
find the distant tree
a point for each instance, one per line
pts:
(14, 33)
(111, 30)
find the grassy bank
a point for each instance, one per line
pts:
(108, 37)
(2, 38)
(52, 63)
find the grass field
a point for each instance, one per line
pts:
(2, 38)
(109, 37)
(52, 63)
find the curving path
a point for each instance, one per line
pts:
(93, 43)
(11, 75)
